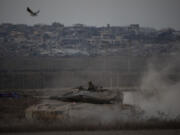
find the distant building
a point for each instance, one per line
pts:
(108, 26)
(55, 24)
(79, 25)
(134, 27)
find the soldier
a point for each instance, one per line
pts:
(91, 86)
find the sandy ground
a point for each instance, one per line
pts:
(12, 109)
(122, 132)
(12, 115)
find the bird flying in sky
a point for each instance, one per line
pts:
(32, 13)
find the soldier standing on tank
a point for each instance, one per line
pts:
(91, 86)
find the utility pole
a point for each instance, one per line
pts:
(128, 59)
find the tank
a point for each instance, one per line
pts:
(83, 107)
(101, 96)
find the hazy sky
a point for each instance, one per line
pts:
(150, 13)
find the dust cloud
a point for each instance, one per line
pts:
(159, 90)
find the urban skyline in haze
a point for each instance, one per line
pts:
(148, 13)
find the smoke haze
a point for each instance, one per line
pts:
(159, 95)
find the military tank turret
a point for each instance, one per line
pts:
(92, 94)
